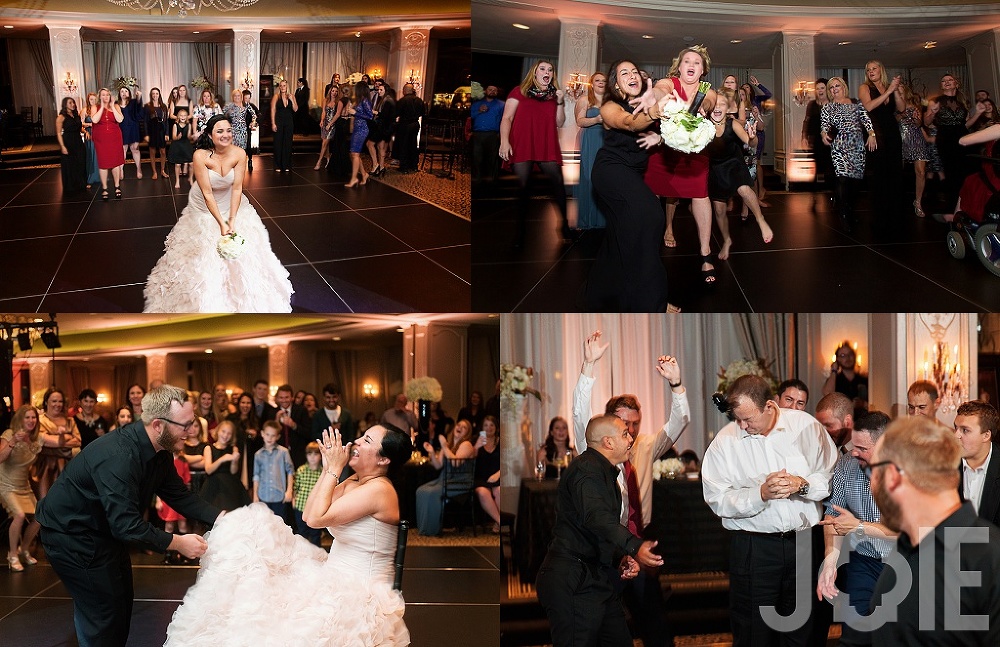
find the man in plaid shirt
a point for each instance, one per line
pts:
(851, 513)
(306, 477)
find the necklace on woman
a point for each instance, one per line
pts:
(370, 478)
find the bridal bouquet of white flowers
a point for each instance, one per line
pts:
(682, 130)
(230, 246)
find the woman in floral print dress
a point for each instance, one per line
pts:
(844, 125)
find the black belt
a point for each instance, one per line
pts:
(788, 534)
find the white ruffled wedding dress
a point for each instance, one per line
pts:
(261, 585)
(192, 277)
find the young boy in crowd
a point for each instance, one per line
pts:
(273, 472)
(305, 479)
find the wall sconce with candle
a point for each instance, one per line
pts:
(70, 83)
(578, 84)
(414, 80)
(804, 92)
(369, 392)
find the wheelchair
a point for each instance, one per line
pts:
(981, 234)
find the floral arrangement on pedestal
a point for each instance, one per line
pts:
(743, 367)
(125, 82)
(670, 468)
(423, 388)
(202, 84)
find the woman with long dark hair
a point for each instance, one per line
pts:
(953, 122)
(132, 113)
(529, 135)
(193, 275)
(73, 161)
(361, 110)
(157, 125)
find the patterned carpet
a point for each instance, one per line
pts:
(452, 537)
(453, 195)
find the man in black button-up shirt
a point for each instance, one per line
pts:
(576, 581)
(94, 510)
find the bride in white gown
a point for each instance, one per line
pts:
(191, 276)
(261, 585)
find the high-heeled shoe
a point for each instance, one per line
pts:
(365, 181)
(327, 163)
(917, 210)
(27, 558)
(376, 171)
(14, 563)
(118, 193)
(104, 195)
(353, 183)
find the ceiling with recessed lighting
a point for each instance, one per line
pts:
(307, 20)
(893, 31)
(91, 336)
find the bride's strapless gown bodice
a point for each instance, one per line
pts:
(261, 585)
(192, 277)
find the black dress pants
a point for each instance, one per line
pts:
(98, 575)
(763, 574)
(580, 600)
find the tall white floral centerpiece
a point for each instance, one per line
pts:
(515, 381)
(424, 391)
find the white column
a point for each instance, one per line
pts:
(408, 58)
(40, 374)
(579, 55)
(246, 61)
(156, 367)
(277, 366)
(795, 62)
(67, 63)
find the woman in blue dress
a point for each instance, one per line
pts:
(132, 109)
(588, 118)
(361, 110)
(456, 446)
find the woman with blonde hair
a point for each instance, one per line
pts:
(915, 148)
(588, 118)
(19, 446)
(328, 125)
(846, 128)
(673, 174)
(205, 110)
(883, 99)
(532, 115)
(108, 142)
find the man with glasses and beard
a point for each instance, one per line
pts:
(765, 475)
(953, 556)
(94, 511)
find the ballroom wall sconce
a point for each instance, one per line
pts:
(369, 392)
(578, 84)
(947, 376)
(804, 92)
(414, 80)
(247, 82)
(70, 83)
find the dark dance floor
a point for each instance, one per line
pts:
(451, 597)
(811, 266)
(367, 249)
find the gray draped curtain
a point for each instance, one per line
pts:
(254, 368)
(78, 379)
(31, 80)
(125, 376)
(210, 65)
(771, 337)
(203, 375)
(351, 369)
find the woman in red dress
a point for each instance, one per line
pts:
(108, 142)
(673, 174)
(528, 135)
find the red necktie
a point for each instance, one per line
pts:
(634, 509)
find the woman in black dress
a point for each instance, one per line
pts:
(628, 275)
(73, 161)
(156, 131)
(304, 125)
(953, 121)
(283, 109)
(883, 99)
(341, 145)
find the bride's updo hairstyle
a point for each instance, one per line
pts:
(205, 141)
(396, 446)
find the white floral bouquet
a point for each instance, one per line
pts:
(682, 130)
(515, 380)
(230, 246)
(424, 388)
(743, 367)
(126, 82)
(670, 467)
(477, 91)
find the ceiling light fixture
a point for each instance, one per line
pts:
(931, 44)
(735, 41)
(647, 36)
(520, 26)
(184, 6)
(844, 42)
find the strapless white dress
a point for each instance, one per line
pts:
(192, 277)
(261, 585)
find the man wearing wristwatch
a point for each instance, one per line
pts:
(765, 475)
(852, 514)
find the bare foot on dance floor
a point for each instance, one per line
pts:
(766, 232)
(724, 252)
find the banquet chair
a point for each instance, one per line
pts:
(37, 127)
(442, 140)
(397, 580)
(457, 489)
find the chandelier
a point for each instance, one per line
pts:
(184, 6)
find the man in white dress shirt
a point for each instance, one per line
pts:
(765, 475)
(644, 597)
(976, 425)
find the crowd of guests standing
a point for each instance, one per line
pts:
(244, 447)
(96, 138)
